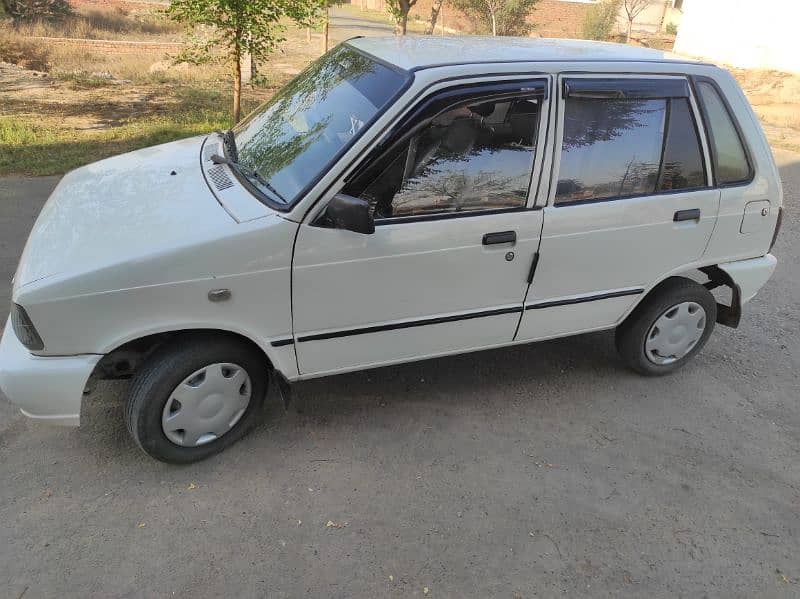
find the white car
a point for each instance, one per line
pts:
(401, 199)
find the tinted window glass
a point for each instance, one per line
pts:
(290, 139)
(611, 148)
(476, 157)
(730, 160)
(683, 159)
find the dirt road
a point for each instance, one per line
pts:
(537, 471)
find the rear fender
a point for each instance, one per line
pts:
(744, 278)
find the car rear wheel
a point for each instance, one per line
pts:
(195, 396)
(668, 328)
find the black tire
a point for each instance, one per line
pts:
(155, 380)
(631, 335)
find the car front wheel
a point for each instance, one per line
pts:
(195, 396)
(668, 328)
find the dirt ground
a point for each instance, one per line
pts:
(535, 471)
(106, 101)
(93, 85)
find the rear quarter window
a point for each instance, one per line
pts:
(730, 159)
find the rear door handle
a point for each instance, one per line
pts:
(500, 237)
(693, 214)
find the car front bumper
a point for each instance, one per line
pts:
(49, 389)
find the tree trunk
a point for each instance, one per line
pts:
(436, 8)
(494, 25)
(308, 34)
(630, 30)
(237, 86)
(664, 15)
(403, 24)
(325, 24)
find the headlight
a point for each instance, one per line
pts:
(24, 329)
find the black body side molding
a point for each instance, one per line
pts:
(581, 300)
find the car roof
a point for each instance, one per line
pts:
(415, 52)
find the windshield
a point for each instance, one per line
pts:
(290, 140)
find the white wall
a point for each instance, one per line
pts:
(763, 34)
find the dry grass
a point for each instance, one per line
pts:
(29, 54)
(774, 97)
(138, 65)
(87, 63)
(19, 44)
(96, 103)
(78, 61)
(111, 23)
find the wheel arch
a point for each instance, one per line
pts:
(125, 355)
(727, 314)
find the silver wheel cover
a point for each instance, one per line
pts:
(675, 333)
(206, 404)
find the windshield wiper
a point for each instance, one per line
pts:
(247, 172)
(229, 140)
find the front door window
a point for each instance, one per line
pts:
(468, 158)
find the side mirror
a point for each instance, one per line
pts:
(351, 214)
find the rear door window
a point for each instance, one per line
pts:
(730, 159)
(628, 146)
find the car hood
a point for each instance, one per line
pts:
(122, 208)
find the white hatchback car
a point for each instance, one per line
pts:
(401, 199)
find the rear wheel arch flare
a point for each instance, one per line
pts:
(728, 315)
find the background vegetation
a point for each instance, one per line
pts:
(600, 20)
(86, 80)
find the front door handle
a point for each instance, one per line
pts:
(500, 237)
(693, 214)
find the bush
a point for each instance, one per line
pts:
(511, 17)
(600, 20)
(671, 29)
(28, 54)
(27, 10)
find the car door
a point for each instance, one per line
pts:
(446, 268)
(630, 200)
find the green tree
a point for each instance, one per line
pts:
(236, 28)
(319, 14)
(600, 20)
(436, 8)
(633, 8)
(399, 9)
(500, 17)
